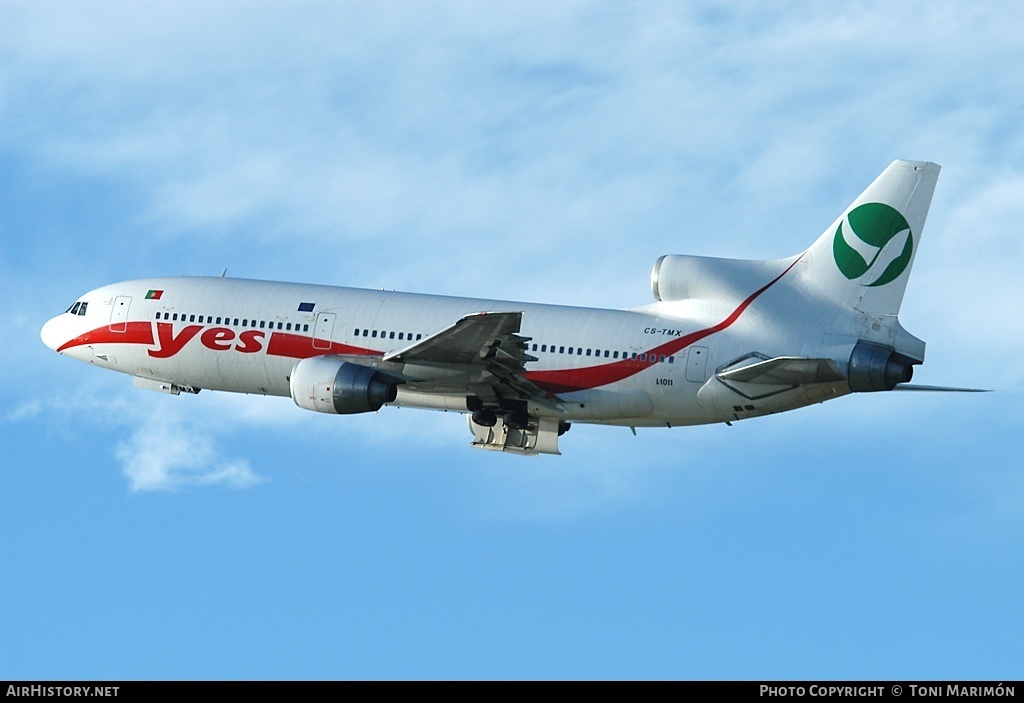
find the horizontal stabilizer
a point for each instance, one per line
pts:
(785, 371)
(940, 389)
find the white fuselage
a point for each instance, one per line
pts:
(639, 368)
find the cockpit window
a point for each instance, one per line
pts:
(81, 310)
(78, 308)
(74, 308)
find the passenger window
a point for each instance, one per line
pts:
(236, 322)
(543, 347)
(401, 335)
(366, 332)
(288, 327)
(391, 336)
(570, 350)
(418, 336)
(588, 352)
(534, 347)
(605, 353)
(262, 323)
(661, 359)
(245, 323)
(634, 356)
(615, 355)
(561, 350)
(671, 360)
(191, 318)
(305, 328)
(374, 335)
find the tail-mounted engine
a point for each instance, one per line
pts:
(329, 385)
(874, 367)
(678, 277)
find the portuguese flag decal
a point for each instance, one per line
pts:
(154, 295)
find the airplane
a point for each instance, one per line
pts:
(725, 339)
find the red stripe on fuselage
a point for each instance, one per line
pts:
(296, 346)
(134, 333)
(581, 379)
(293, 346)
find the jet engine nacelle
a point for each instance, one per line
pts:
(329, 385)
(874, 367)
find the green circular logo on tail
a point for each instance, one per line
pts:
(875, 225)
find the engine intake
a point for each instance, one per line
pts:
(329, 385)
(678, 277)
(877, 368)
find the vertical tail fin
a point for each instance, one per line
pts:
(864, 258)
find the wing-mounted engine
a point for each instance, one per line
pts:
(329, 385)
(678, 277)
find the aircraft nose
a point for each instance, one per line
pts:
(51, 333)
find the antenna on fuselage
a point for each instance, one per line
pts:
(223, 273)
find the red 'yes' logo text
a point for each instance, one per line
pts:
(215, 338)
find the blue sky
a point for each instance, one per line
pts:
(529, 152)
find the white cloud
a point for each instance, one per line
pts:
(26, 409)
(166, 451)
(522, 152)
(531, 135)
(166, 443)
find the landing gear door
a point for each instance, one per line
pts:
(323, 331)
(697, 364)
(119, 313)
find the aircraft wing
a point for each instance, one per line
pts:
(474, 338)
(480, 350)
